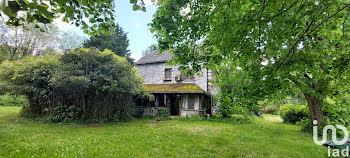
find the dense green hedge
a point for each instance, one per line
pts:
(293, 113)
(83, 85)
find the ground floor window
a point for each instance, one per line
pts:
(190, 101)
(160, 99)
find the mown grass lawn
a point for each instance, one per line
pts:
(174, 138)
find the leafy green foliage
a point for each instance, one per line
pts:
(83, 85)
(99, 13)
(337, 111)
(270, 109)
(163, 113)
(292, 113)
(260, 49)
(93, 16)
(103, 84)
(272, 105)
(117, 42)
(31, 77)
(13, 100)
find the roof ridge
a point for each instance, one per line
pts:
(154, 57)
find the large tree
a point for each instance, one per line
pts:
(117, 42)
(269, 46)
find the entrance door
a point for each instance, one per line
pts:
(174, 104)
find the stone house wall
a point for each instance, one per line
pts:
(154, 74)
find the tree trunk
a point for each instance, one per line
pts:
(315, 104)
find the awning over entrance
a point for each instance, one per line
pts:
(174, 88)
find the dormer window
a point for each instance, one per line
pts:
(167, 74)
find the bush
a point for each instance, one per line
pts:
(24, 112)
(163, 113)
(85, 85)
(270, 109)
(13, 100)
(63, 113)
(272, 104)
(336, 112)
(30, 77)
(228, 106)
(306, 125)
(293, 113)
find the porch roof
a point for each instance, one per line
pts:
(174, 88)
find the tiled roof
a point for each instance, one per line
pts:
(173, 88)
(155, 58)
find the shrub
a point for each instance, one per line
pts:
(272, 105)
(31, 77)
(336, 112)
(293, 113)
(26, 113)
(163, 113)
(228, 106)
(85, 85)
(270, 109)
(13, 100)
(216, 116)
(63, 113)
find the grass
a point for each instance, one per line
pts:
(273, 118)
(141, 138)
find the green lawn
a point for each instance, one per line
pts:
(174, 138)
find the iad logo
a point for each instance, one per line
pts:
(334, 152)
(334, 134)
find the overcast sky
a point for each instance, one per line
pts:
(134, 23)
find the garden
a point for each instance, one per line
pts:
(278, 71)
(181, 137)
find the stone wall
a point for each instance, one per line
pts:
(187, 113)
(154, 74)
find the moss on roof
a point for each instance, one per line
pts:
(173, 88)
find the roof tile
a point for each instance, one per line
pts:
(155, 58)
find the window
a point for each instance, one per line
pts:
(167, 74)
(191, 101)
(184, 101)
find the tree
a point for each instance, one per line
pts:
(93, 16)
(117, 42)
(278, 46)
(149, 50)
(70, 40)
(28, 40)
(17, 42)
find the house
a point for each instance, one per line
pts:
(183, 96)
